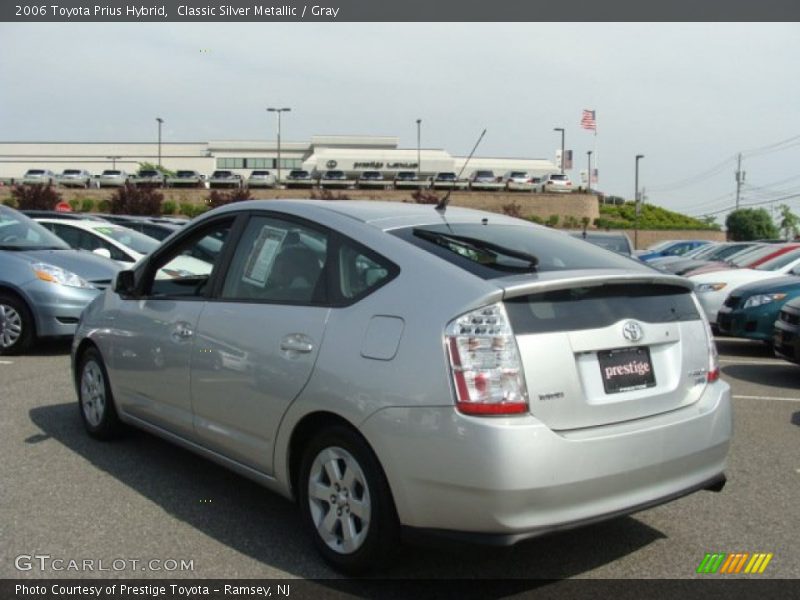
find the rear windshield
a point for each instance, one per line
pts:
(600, 306)
(779, 261)
(108, 172)
(185, 174)
(491, 251)
(71, 172)
(298, 173)
(519, 174)
(558, 177)
(35, 172)
(446, 176)
(260, 173)
(615, 243)
(148, 173)
(484, 174)
(139, 242)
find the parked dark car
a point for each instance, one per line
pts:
(786, 334)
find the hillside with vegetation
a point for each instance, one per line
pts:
(651, 217)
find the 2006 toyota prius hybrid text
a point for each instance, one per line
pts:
(400, 367)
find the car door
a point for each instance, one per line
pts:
(154, 333)
(257, 341)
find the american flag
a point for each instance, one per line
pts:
(588, 121)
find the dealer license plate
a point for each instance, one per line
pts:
(626, 369)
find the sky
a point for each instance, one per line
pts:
(689, 97)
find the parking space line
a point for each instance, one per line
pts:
(761, 361)
(778, 398)
(6, 362)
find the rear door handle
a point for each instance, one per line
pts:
(297, 343)
(182, 332)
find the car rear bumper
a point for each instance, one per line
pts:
(515, 478)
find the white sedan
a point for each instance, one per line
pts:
(713, 288)
(116, 242)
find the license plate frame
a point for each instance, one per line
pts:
(626, 369)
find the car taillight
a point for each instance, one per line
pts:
(713, 357)
(485, 363)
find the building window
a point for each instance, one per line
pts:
(230, 163)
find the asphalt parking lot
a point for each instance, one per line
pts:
(142, 499)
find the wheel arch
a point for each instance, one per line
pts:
(305, 430)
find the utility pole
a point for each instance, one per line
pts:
(739, 179)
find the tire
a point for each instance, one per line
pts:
(95, 401)
(17, 327)
(345, 477)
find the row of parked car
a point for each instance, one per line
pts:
(747, 289)
(390, 366)
(478, 180)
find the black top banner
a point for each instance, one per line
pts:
(187, 11)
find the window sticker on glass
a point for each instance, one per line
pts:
(259, 263)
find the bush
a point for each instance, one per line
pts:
(536, 219)
(186, 208)
(651, 217)
(131, 200)
(326, 194)
(424, 197)
(10, 202)
(35, 197)
(87, 205)
(75, 204)
(552, 221)
(103, 205)
(219, 198)
(168, 207)
(512, 209)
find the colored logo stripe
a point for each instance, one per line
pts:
(721, 562)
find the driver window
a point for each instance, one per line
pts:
(186, 270)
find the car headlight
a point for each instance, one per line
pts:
(55, 274)
(701, 288)
(761, 299)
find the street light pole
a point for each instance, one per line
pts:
(589, 172)
(278, 111)
(113, 160)
(419, 161)
(160, 122)
(561, 129)
(637, 202)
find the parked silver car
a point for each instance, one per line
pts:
(39, 177)
(44, 285)
(113, 178)
(262, 179)
(76, 178)
(393, 366)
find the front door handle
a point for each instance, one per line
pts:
(182, 332)
(297, 343)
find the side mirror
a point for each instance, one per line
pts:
(104, 252)
(125, 283)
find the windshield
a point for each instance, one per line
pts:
(518, 175)
(747, 257)
(185, 174)
(148, 173)
(71, 172)
(18, 232)
(112, 172)
(779, 261)
(35, 172)
(446, 176)
(484, 174)
(143, 244)
(558, 177)
(491, 251)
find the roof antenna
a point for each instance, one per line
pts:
(442, 206)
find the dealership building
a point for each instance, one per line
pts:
(351, 154)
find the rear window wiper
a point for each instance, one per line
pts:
(478, 245)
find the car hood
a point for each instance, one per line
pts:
(778, 284)
(87, 265)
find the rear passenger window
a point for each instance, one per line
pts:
(359, 273)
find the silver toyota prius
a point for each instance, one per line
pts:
(398, 368)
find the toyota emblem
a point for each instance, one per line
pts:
(331, 164)
(632, 331)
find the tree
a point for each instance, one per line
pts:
(789, 222)
(748, 224)
(35, 197)
(148, 166)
